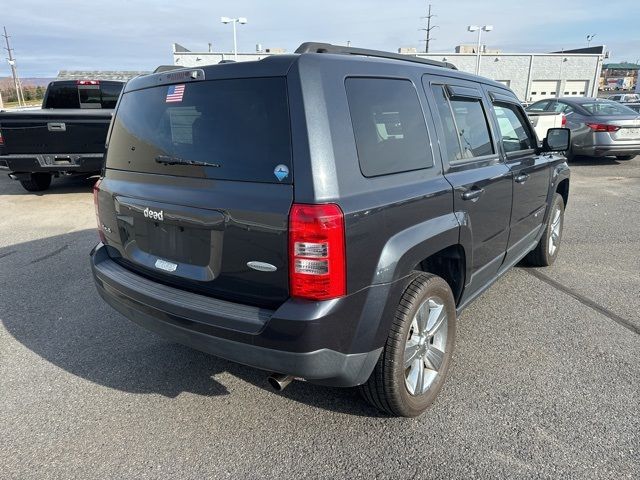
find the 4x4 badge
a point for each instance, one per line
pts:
(281, 172)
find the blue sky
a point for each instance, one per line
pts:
(137, 34)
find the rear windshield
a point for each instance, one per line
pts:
(228, 129)
(73, 95)
(607, 108)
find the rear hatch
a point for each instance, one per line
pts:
(54, 131)
(197, 187)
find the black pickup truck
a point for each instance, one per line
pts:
(65, 137)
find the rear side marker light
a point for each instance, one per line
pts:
(603, 127)
(96, 191)
(317, 263)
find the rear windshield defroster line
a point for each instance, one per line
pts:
(235, 129)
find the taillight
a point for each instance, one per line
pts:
(88, 82)
(564, 120)
(317, 260)
(603, 127)
(1, 139)
(96, 191)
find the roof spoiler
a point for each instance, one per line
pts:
(167, 68)
(315, 47)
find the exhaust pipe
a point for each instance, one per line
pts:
(279, 381)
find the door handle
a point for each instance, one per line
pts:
(523, 177)
(56, 127)
(472, 194)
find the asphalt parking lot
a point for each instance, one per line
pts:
(545, 380)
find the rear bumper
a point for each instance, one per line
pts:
(321, 342)
(53, 163)
(609, 150)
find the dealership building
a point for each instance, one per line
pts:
(532, 76)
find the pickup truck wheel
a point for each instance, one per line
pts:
(37, 182)
(625, 157)
(547, 249)
(416, 357)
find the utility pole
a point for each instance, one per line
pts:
(14, 70)
(428, 38)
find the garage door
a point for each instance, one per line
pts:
(576, 88)
(541, 89)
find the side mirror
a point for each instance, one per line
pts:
(557, 140)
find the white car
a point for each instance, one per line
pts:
(625, 97)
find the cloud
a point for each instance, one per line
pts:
(137, 35)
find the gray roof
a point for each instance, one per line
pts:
(123, 75)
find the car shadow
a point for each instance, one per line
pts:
(49, 304)
(61, 185)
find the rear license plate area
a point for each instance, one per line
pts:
(629, 133)
(173, 242)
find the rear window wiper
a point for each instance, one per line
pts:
(169, 160)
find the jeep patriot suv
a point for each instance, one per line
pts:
(324, 215)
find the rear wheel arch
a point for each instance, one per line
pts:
(449, 264)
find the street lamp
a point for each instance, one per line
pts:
(476, 28)
(241, 20)
(589, 38)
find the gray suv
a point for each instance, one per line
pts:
(324, 215)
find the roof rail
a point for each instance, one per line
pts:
(314, 47)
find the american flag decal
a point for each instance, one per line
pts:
(175, 93)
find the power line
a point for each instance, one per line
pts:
(427, 30)
(14, 70)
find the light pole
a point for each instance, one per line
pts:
(589, 38)
(476, 28)
(241, 20)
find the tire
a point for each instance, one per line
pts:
(625, 157)
(390, 386)
(37, 182)
(547, 249)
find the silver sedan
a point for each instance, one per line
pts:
(598, 127)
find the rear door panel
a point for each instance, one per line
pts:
(484, 218)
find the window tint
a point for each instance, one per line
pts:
(472, 127)
(538, 106)
(465, 126)
(89, 96)
(240, 127)
(448, 124)
(62, 96)
(110, 93)
(388, 124)
(607, 108)
(513, 129)
(560, 107)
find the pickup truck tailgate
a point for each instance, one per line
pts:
(54, 131)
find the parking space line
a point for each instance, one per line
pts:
(585, 301)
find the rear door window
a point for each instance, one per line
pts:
(239, 129)
(388, 125)
(463, 119)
